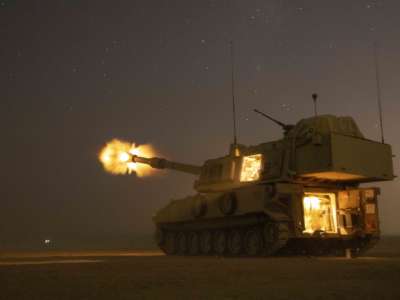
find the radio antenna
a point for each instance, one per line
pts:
(233, 96)
(315, 97)
(378, 90)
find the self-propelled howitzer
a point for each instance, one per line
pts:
(300, 194)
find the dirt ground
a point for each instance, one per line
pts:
(149, 275)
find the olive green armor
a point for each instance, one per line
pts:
(297, 195)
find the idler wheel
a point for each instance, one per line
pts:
(170, 243)
(228, 203)
(253, 242)
(206, 242)
(235, 242)
(220, 242)
(194, 243)
(182, 243)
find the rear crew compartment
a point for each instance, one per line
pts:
(340, 212)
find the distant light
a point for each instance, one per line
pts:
(47, 242)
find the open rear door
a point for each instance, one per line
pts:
(358, 211)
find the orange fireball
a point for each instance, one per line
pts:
(116, 158)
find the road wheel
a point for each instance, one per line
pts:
(194, 243)
(220, 242)
(235, 242)
(182, 243)
(170, 244)
(206, 242)
(253, 242)
(276, 236)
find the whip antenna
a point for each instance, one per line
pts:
(315, 97)
(378, 90)
(233, 96)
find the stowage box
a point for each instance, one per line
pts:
(344, 158)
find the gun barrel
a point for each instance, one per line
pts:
(161, 163)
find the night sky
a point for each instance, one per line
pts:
(75, 74)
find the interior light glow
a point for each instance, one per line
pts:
(320, 212)
(251, 167)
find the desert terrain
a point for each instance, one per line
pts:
(150, 275)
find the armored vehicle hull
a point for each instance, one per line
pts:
(270, 219)
(300, 194)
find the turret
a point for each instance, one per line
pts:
(324, 149)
